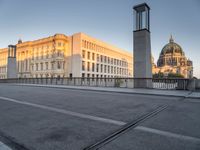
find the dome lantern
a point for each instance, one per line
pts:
(20, 41)
(171, 40)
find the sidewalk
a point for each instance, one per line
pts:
(174, 93)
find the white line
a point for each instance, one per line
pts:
(168, 134)
(66, 112)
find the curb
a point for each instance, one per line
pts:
(100, 90)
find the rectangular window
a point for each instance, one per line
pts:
(83, 53)
(26, 63)
(97, 57)
(83, 65)
(41, 68)
(88, 55)
(101, 58)
(37, 67)
(83, 75)
(108, 60)
(59, 44)
(101, 68)
(105, 68)
(59, 65)
(52, 66)
(105, 59)
(88, 75)
(47, 65)
(88, 66)
(92, 67)
(93, 56)
(97, 69)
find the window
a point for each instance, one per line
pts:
(101, 68)
(88, 55)
(92, 67)
(112, 69)
(52, 66)
(59, 65)
(83, 75)
(47, 65)
(105, 59)
(97, 69)
(83, 65)
(93, 56)
(59, 44)
(83, 53)
(97, 57)
(37, 67)
(59, 54)
(108, 59)
(88, 66)
(105, 69)
(41, 66)
(26, 61)
(101, 58)
(108, 69)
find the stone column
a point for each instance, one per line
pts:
(142, 49)
(12, 64)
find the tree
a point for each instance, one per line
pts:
(158, 75)
(175, 75)
(170, 75)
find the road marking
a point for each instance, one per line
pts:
(4, 147)
(168, 134)
(66, 112)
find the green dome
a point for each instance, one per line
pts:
(172, 48)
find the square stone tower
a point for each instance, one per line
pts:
(11, 65)
(142, 47)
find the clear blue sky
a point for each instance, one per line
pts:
(108, 20)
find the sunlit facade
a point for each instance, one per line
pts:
(78, 55)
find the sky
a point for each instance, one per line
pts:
(111, 21)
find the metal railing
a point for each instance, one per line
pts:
(169, 84)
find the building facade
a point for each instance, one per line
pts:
(172, 59)
(78, 55)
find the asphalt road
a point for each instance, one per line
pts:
(38, 118)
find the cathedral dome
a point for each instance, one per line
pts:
(172, 48)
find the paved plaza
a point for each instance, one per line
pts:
(79, 118)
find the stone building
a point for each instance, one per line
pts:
(172, 59)
(78, 55)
